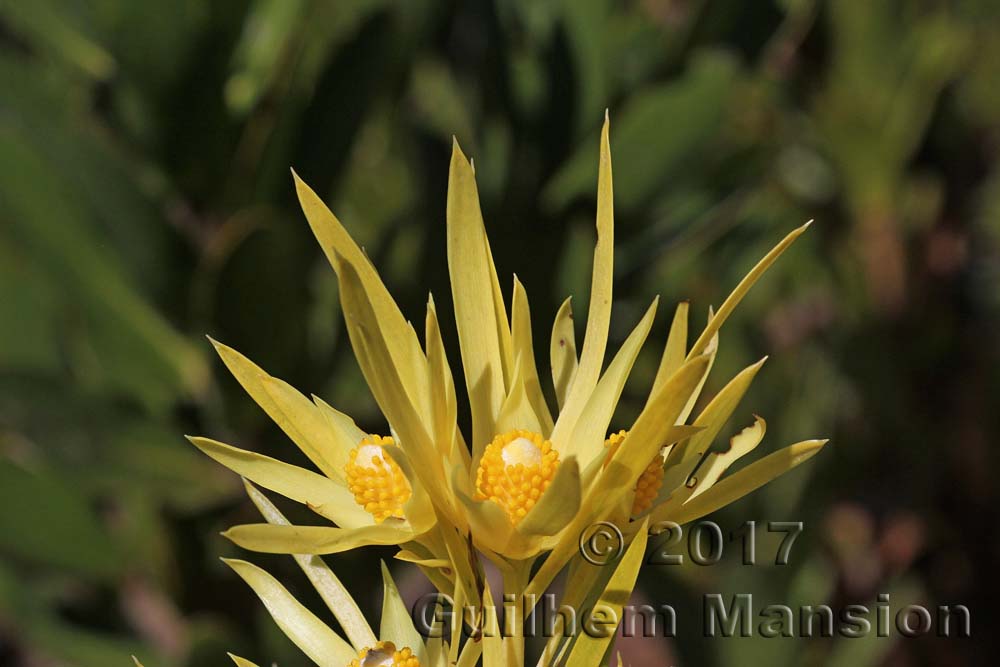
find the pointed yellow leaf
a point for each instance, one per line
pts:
(489, 524)
(326, 583)
(494, 654)
(588, 438)
(711, 351)
(321, 644)
(404, 348)
(590, 650)
(712, 419)
(445, 403)
(241, 662)
(676, 348)
(517, 411)
(483, 331)
(397, 624)
(291, 411)
(716, 463)
(562, 352)
(741, 290)
(372, 352)
(524, 354)
(740, 483)
(324, 496)
(418, 510)
(315, 540)
(410, 557)
(347, 432)
(599, 313)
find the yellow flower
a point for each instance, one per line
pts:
(514, 472)
(376, 480)
(530, 479)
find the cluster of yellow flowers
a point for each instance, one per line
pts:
(532, 480)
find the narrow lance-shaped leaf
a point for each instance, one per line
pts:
(323, 495)
(733, 300)
(740, 483)
(240, 662)
(404, 348)
(397, 624)
(558, 505)
(321, 644)
(716, 463)
(599, 312)
(326, 583)
(483, 331)
(291, 411)
(524, 354)
(562, 352)
(590, 650)
(493, 649)
(588, 436)
(711, 420)
(316, 540)
(675, 349)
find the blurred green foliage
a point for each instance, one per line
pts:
(145, 201)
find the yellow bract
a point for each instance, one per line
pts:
(515, 470)
(376, 480)
(384, 654)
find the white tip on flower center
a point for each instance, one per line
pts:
(371, 456)
(376, 480)
(521, 451)
(384, 654)
(378, 658)
(515, 470)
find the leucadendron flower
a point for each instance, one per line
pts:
(530, 478)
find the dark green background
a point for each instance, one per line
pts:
(145, 201)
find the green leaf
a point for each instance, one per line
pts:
(45, 520)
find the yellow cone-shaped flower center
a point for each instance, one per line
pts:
(376, 480)
(515, 470)
(384, 654)
(650, 481)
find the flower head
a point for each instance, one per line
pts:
(515, 470)
(528, 477)
(376, 480)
